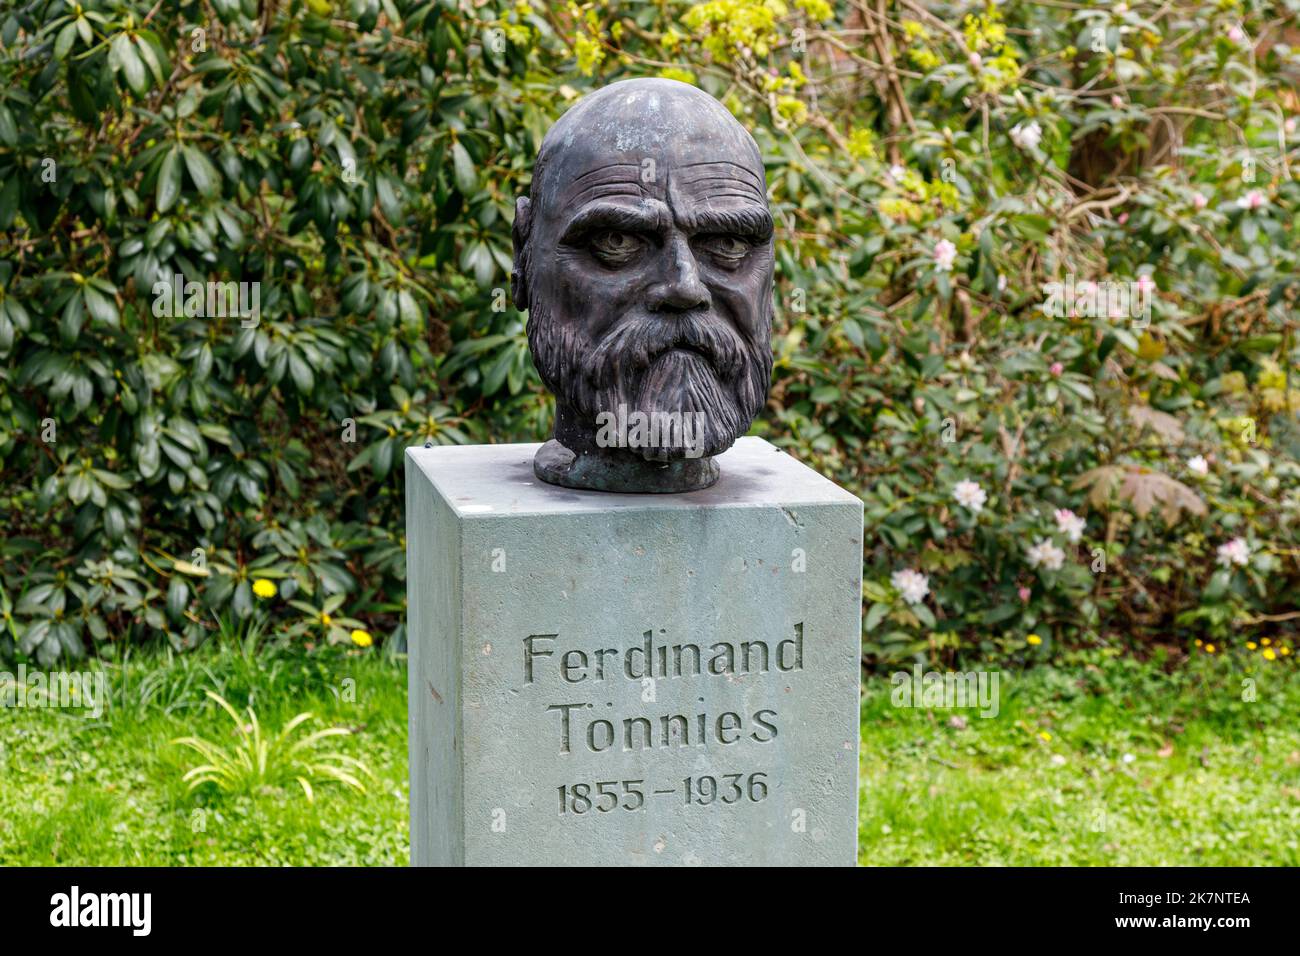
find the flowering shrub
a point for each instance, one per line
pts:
(1037, 283)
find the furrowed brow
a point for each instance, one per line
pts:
(751, 222)
(612, 216)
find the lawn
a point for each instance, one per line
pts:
(1097, 761)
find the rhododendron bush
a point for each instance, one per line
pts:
(1036, 301)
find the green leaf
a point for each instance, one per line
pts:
(204, 175)
(128, 61)
(301, 373)
(67, 37)
(169, 181)
(466, 178)
(101, 308)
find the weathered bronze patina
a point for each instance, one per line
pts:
(643, 255)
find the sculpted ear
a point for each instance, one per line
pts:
(519, 270)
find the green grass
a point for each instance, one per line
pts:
(1142, 768)
(109, 792)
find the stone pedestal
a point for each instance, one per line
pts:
(611, 679)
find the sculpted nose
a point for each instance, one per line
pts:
(680, 288)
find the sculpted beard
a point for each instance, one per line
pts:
(682, 365)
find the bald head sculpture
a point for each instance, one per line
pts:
(643, 255)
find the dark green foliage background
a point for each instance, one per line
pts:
(360, 161)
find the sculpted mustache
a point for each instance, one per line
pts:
(637, 342)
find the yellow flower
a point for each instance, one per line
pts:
(1284, 650)
(326, 619)
(1045, 736)
(1209, 648)
(677, 73)
(1265, 641)
(264, 588)
(362, 638)
(1268, 654)
(1033, 640)
(1250, 645)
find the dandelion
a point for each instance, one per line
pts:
(264, 588)
(945, 253)
(1070, 525)
(1045, 736)
(970, 495)
(326, 619)
(1033, 640)
(1198, 465)
(1252, 200)
(1266, 641)
(1269, 654)
(1209, 648)
(1236, 551)
(912, 585)
(1284, 650)
(1046, 555)
(1027, 135)
(362, 638)
(1251, 645)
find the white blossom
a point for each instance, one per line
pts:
(1236, 551)
(1070, 525)
(945, 253)
(970, 495)
(1198, 465)
(1046, 555)
(1252, 200)
(1027, 135)
(913, 585)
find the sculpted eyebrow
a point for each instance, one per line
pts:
(610, 216)
(748, 221)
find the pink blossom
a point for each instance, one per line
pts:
(1236, 551)
(1252, 200)
(1056, 368)
(1199, 201)
(945, 253)
(1024, 593)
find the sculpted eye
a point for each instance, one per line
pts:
(729, 249)
(615, 248)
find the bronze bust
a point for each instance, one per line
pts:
(643, 255)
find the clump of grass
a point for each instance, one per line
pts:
(257, 761)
